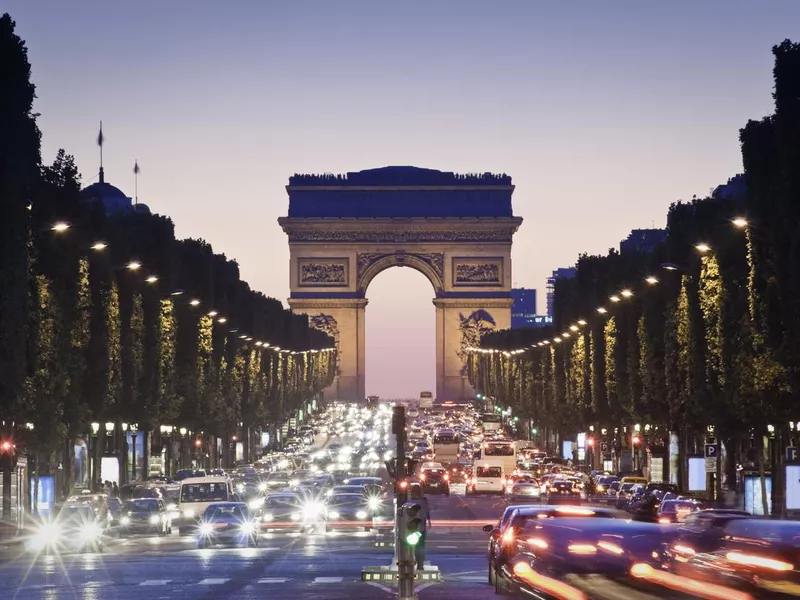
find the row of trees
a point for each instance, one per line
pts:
(701, 336)
(110, 318)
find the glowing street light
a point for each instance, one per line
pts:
(614, 298)
(98, 246)
(602, 310)
(573, 327)
(177, 293)
(626, 293)
(212, 313)
(222, 320)
(581, 322)
(739, 222)
(670, 267)
(651, 279)
(565, 334)
(60, 227)
(134, 265)
(194, 302)
(151, 279)
(702, 247)
(241, 337)
(557, 340)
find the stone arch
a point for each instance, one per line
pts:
(371, 264)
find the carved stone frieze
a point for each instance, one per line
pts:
(478, 273)
(403, 236)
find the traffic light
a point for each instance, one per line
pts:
(8, 458)
(410, 529)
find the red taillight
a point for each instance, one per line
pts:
(422, 477)
(446, 477)
(403, 485)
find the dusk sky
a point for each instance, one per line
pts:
(602, 112)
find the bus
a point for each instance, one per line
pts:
(491, 422)
(446, 444)
(425, 399)
(502, 451)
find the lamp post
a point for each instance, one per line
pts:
(93, 450)
(166, 431)
(134, 430)
(123, 453)
(182, 462)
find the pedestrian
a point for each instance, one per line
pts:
(115, 490)
(425, 522)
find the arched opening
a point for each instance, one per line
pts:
(400, 328)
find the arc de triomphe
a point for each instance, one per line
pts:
(455, 229)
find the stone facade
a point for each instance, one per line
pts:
(466, 259)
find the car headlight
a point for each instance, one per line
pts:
(125, 520)
(172, 507)
(262, 487)
(154, 519)
(189, 513)
(374, 503)
(206, 528)
(247, 528)
(296, 516)
(48, 534)
(255, 504)
(294, 482)
(268, 517)
(362, 514)
(90, 531)
(333, 514)
(312, 510)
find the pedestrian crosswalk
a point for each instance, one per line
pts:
(224, 580)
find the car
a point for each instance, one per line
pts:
(227, 523)
(144, 515)
(76, 527)
(522, 490)
(562, 491)
(513, 520)
(676, 511)
(435, 481)
(347, 511)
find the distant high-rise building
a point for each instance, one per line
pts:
(642, 241)
(523, 308)
(562, 273)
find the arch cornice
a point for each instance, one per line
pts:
(429, 264)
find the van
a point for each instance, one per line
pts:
(196, 494)
(488, 476)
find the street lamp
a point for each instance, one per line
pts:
(650, 279)
(151, 279)
(702, 247)
(134, 265)
(60, 227)
(739, 222)
(134, 431)
(98, 246)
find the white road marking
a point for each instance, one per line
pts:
(423, 586)
(475, 578)
(155, 582)
(273, 580)
(385, 588)
(212, 581)
(446, 547)
(329, 580)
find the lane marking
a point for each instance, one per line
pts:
(213, 581)
(385, 588)
(475, 578)
(423, 586)
(155, 582)
(273, 580)
(328, 580)
(446, 547)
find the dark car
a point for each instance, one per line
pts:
(76, 527)
(435, 481)
(562, 491)
(676, 511)
(559, 547)
(703, 531)
(757, 555)
(227, 523)
(347, 511)
(523, 512)
(282, 511)
(145, 515)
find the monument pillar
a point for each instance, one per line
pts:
(343, 320)
(459, 325)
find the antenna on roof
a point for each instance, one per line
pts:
(135, 182)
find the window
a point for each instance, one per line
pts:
(491, 472)
(204, 492)
(498, 450)
(445, 439)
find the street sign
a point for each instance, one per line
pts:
(712, 450)
(791, 453)
(711, 465)
(603, 447)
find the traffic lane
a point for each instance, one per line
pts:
(466, 511)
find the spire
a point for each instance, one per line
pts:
(135, 182)
(100, 143)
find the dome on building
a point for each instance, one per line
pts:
(112, 198)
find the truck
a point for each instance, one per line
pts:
(425, 399)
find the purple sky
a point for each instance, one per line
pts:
(603, 113)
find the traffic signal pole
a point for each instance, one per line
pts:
(405, 564)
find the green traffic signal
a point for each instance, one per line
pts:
(413, 538)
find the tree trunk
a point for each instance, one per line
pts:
(69, 457)
(762, 451)
(36, 467)
(145, 433)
